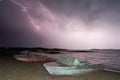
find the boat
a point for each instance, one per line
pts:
(28, 56)
(71, 66)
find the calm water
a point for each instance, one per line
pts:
(110, 59)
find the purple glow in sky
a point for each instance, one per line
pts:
(73, 24)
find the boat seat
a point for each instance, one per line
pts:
(69, 61)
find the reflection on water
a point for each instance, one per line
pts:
(110, 59)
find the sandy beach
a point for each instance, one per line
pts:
(11, 69)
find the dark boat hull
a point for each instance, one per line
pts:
(33, 59)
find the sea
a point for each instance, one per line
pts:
(109, 58)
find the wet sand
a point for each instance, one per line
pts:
(11, 69)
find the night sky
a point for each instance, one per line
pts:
(69, 24)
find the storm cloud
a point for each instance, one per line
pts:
(71, 24)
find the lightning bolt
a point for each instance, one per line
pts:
(49, 14)
(24, 9)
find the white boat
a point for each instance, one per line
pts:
(32, 57)
(70, 67)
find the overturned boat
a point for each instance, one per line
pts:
(32, 57)
(67, 65)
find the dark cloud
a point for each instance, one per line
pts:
(14, 28)
(92, 23)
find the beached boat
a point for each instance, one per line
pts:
(32, 57)
(71, 66)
